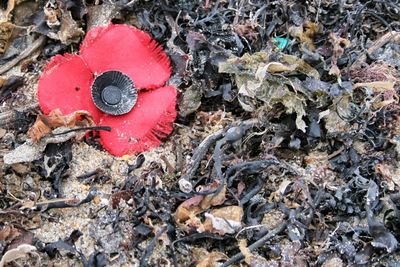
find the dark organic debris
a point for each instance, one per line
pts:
(68, 246)
(68, 203)
(9, 86)
(285, 151)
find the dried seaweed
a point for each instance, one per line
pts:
(285, 151)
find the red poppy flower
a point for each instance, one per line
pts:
(118, 65)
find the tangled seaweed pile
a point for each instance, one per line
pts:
(285, 151)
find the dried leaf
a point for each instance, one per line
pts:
(2, 132)
(188, 208)
(306, 33)
(277, 195)
(247, 29)
(377, 86)
(116, 198)
(226, 220)
(70, 32)
(45, 124)
(199, 203)
(213, 199)
(8, 233)
(339, 44)
(61, 23)
(212, 259)
(272, 67)
(260, 90)
(24, 237)
(300, 66)
(245, 251)
(6, 29)
(296, 105)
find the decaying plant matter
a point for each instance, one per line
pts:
(285, 141)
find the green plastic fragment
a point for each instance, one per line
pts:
(280, 42)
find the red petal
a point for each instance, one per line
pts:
(142, 128)
(65, 84)
(129, 50)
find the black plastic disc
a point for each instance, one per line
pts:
(114, 93)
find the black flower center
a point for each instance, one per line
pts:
(114, 93)
(111, 95)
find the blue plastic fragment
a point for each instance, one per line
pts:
(280, 42)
